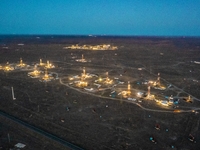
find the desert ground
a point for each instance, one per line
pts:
(96, 120)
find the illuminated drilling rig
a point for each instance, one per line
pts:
(49, 65)
(46, 76)
(21, 64)
(7, 67)
(82, 59)
(158, 80)
(126, 93)
(108, 81)
(129, 88)
(41, 64)
(35, 73)
(189, 99)
(46, 65)
(82, 82)
(149, 91)
(149, 95)
(83, 74)
(156, 84)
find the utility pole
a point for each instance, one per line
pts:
(150, 70)
(8, 137)
(13, 96)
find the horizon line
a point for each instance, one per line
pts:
(101, 35)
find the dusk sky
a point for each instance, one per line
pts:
(110, 17)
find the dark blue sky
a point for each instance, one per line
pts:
(110, 17)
